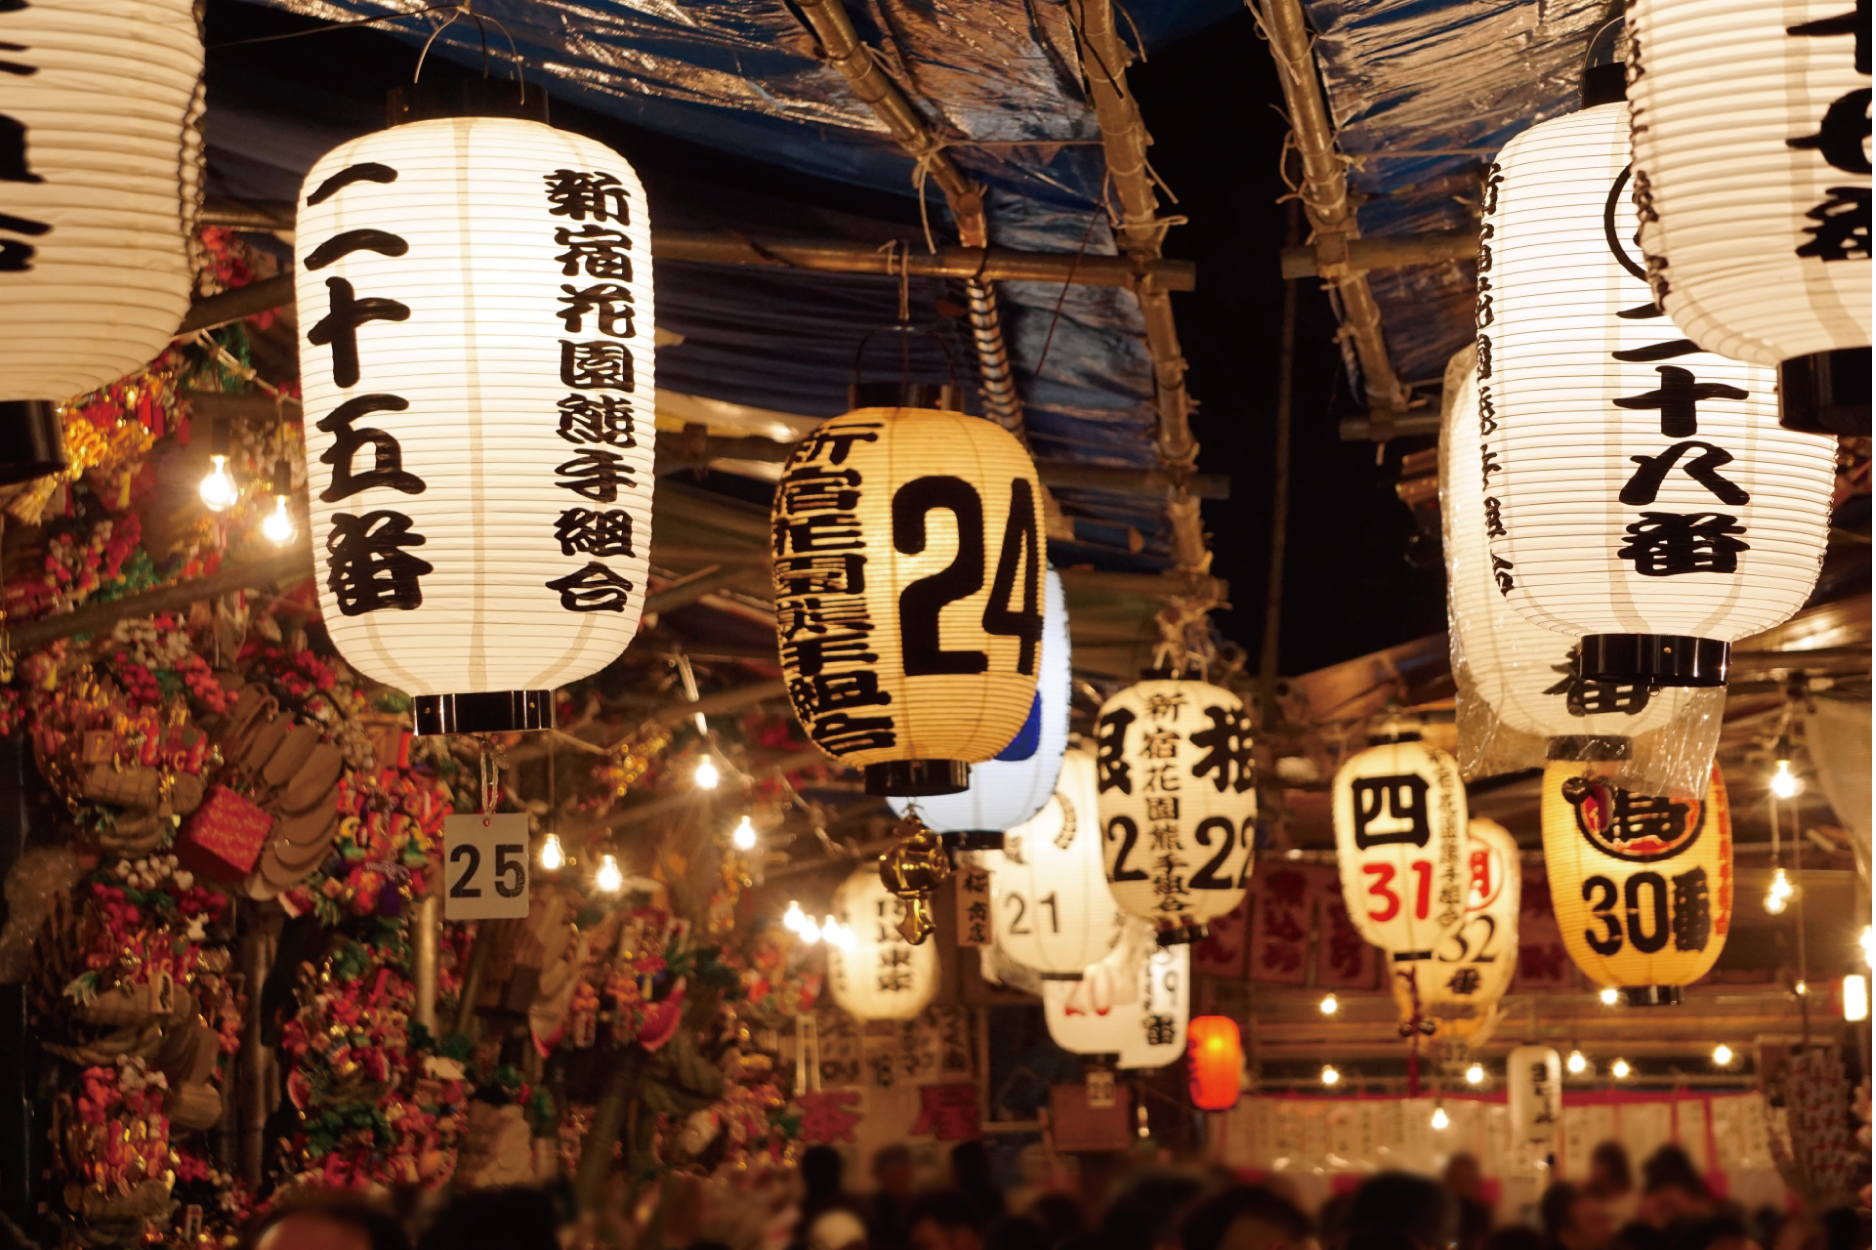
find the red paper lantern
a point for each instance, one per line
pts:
(1215, 1054)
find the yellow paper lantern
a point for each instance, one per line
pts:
(1458, 988)
(909, 593)
(1050, 905)
(1400, 840)
(1178, 802)
(872, 971)
(1642, 884)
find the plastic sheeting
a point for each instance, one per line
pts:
(1424, 93)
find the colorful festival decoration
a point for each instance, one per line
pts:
(1458, 989)
(1050, 905)
(909, 593)
(1015, 785)
(1400, 841)
(1639, 495)
(1750, 128)
(476, 321)
(1178, 802)
(100, 110)
(1642, 884)
(1215, 1059)
(877, 974)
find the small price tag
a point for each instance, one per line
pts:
(485, 866)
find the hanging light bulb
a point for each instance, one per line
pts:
(218, 488)
(1722, 1055)
(1475, 1075)
(1139, 1119)
(1440, 1119)
(744, 838)
(1576, 1064)
(1801, 989)
(1778, 895)
(1855, 998)
(836, 934)
(794, 918)
(609, 879)
(553, 857)
(1610, 996)
(1619, 1069)
(1329, 1075)
(1785, 783)
(279, 528)
(706, 775)
(1329, 1005)
(1868, 943)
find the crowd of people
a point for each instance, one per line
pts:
(1152, 1207)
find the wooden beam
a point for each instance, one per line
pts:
(97, 618)
(1385, 252)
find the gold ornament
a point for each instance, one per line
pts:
(912, 869)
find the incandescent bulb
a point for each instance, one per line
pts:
(1855, 998)
(1610, 996)
(1576, 1063)
(609, 878)
(1779, 893)
(1785, 783)
(1619, 1069)
(744, 838)
(1722, 1055)
(279, 528)
(218, 489)
(1440, 1120)
(1475, 1075)
(1800, 989)
(1328, 1005)
(1868, 943)
(706, 775)
(1329, 1075)
(794, 918)
(553, 858)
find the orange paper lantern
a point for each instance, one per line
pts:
(1215, 1054)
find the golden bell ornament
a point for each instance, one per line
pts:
(916, 865)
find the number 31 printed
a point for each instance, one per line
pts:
(485, 867)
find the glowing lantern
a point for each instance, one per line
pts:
(1008, 790)
(878, 975)
(1050, 905)
(101, 154)
(1459, 987)
(1751, 134)
(1145, 1027)
(1178, 802)
(1526, 674)
(1215, 1054)
(1642, 885)
(908, 593)
(476, 322)
(1534, 1103)
(1639, 494)
(1400, 841)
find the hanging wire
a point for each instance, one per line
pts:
(329, 28)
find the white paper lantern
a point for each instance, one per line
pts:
(1134, 1004)
(878, 975)
(1178, 802)
(1400, 845)
(476, 321)
(1011, 788)
(908, 593)
(1460, 985)
(1751, 141)
(1049, 902)
(100, 158)
(1638, 494)
(1534, 1103)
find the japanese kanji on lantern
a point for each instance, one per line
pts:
(1638, 493)
(1750, 125)
(101, 157)
(873, 972)
(475, 298)
(1533, 1105)
(1011, 788)
(1050, 904)
(1642, 884)
(1400, 844)
(1457, 989)
(909, 593)
(1178, 802)
(1132, 1005)
(1518, 676)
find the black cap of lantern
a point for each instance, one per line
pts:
(1385, 740)
(1183, 936)
(1062, 976)
(485, 712)
(1654, 659)
(918, 779)
(1826, 393)
(1587, 748)
(940, 395)
(32, 440)
(973, 839)
(1651, 995)
(1605, 84)
(465, 97)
